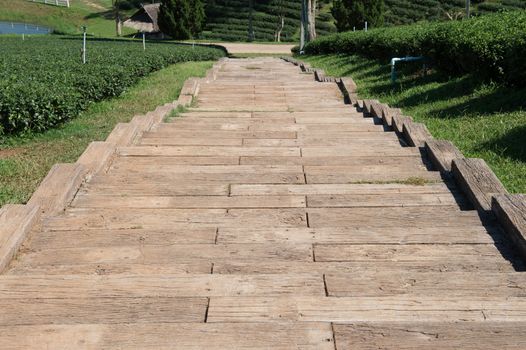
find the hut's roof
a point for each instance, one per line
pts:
(145, 20)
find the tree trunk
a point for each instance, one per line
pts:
(280, 28)
(118, 25)
(312, 19)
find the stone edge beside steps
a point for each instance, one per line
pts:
(63, 181)
(474, 177)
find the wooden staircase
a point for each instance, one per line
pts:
(269, 215)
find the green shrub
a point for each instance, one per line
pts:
(43, 82)
(491, 46)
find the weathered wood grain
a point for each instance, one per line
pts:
(398, 121)
(366, 309)
(166, 286)
(58, 188)
(89, 219)
(16, 221)
(189, 202)
(394, 252)
(337, 189)
(442, 153)
(97, 156)
(453, 284)
(478, 181)
(181, 253)
(511, 213)
(365, 235)
(170, 336)
(393, 216)
(34, 311)
(416, 134)
(425, 335)
(123, 134)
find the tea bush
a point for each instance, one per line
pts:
(491, 46)
(44, 83)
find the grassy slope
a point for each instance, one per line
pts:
(483, 120)
(24, 165)
(92, 13)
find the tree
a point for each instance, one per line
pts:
(181, 19)
(197, 17)
(308, 22)
(251, 35)
(279, 11)
(116, 9)
(354, 13)
(311, 19)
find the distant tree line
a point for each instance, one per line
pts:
(351, 14)
(181, 19)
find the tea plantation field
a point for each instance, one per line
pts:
(44, 83)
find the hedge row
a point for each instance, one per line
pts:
(43, 82)
(491, 46)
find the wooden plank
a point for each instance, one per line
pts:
(115, 268)
(126, 168)
(364, 235)
(352, 151)
(478, 181)
(398, 122)
(380, 142)
(511, 213)
(97, 156)
(388, 114)
(142, 188)
(393, 216)
(171, 336)
(462, 285)
(85, 218)
(143, 122)
(454, 263)
(115, 238)
(164, 151)
(431, 335)
(182, 253)
(416, 134)
(184, 178)
(172, 134)
(163, 141)
(385, 200)
(149, 162)
(331, 120)
(361, 127)
(166, 286)
(58, 188)
(123, 134)
(337, 189)
(392, 252)
(367, 105)
(200, 114)
(16, 221)
(381, 175)
(290, 119)
(366, 309)
(110, 201)
(334, 160)
(442, 153)
(101, 310)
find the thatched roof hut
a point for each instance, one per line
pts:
(145, 20)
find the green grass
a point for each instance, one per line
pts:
(27, 160)
(94, 14)
(484, 120)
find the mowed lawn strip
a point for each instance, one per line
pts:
(484, 120)
(27, 160)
